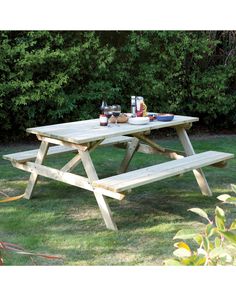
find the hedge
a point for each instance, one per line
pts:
(48, 77)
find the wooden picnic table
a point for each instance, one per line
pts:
(85, 136)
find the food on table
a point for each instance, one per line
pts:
(122, 118)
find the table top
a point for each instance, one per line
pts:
(86, 131)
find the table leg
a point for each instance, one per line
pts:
(73, 163)
(92, 176)
(34, 176)
(199, 175)
(130, 150)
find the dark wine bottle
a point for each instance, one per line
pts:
(104, 104)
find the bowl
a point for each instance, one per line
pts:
(138, 120)
(165, 116)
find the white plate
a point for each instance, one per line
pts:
(138, 120)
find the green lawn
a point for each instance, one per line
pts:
(65, 220)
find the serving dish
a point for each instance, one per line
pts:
(138, 120)
(165, 117)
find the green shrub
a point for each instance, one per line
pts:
(48, 77)
(216, 245)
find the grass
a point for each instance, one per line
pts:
(65, 220)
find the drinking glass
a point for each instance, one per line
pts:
(108, 112)
(116, 110)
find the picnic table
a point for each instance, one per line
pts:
(83, 137)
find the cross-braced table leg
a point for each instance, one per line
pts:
(199, 175)
(92, 176)
(130, 151)
(34, 176)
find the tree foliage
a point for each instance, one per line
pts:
(48, 77)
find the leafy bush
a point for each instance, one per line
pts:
(48, 77)
(216, 245)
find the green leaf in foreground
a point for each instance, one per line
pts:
(182, 245)
(200, 212)
(172, 262)
(233, 187)
(231, 200)
(233, 225)
(223, 197)
(220, 218)
(220, 212)
(182, 252)
(217, 242)
(230, 236)
(218, 252)
(186, 234)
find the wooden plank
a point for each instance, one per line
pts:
(73, 163)
(103, 205)
(68, 178)
(188, 148)
(89, 130)
(150, 142)
(130, 150)
(31, 154)
(62, 143)
(158, 172)
(42, 152)
(116, 140)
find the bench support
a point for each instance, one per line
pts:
(130, 150)
(73, 163)
(92, 176)
(188, 148)
(34, 176)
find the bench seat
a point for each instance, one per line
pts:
(31, 154)
(126, 181)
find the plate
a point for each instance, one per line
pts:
(165, 117)
(138, 120)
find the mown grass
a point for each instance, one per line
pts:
(65, 220)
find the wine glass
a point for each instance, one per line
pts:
(116, 110)
(108, 112)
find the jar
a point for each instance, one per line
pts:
(103, 120)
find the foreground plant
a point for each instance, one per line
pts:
(216, 245)
(13, 248)
(6, 247)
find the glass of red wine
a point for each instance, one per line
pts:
(108, 112)
(116, 110)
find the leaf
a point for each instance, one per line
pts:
(182, 245)
(201, 251)
(231, 200)
(206, 243)
(230, 236)
(217, 242)
(219, 212)
(200, 212)
(210, 230)
(233, 225)
(182, 252)
(198, 239)
(223, 197)
(219, 252)
(185, 234)
(233, 187)
(200, 261)
(220, 223)
(172, 262)
(8, 199)
(220, 218)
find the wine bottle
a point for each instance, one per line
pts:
(104, 104)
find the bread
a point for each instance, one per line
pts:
(122, 118)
